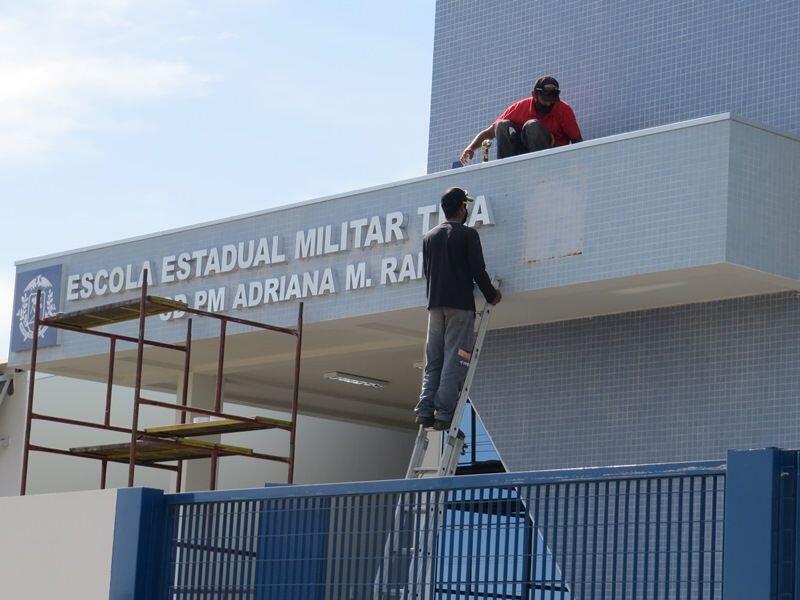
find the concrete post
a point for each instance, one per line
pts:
(201, 394)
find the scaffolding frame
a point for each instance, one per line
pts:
(83, 321)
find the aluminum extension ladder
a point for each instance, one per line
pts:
(430, 458)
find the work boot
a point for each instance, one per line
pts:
(440, 425)
(425, 421)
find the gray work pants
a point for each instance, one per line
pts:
(447, 353)
(510, 141)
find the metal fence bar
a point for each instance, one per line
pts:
(378, 515)
(689, 536)
(658, 538)
(187, 551)
(210, 575)
(667, 587)
(339, 556)
(607, 533)
(306, 558)
(495, 576)
(418, 524)
(530, 537)
(635, 525)
(714, 500)
(595, 528)
(452, 548)
(351, 566)
(702, 541)
(510, 562)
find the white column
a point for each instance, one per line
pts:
(202, 392)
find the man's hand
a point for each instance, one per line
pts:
(469, 151)
(497, 297)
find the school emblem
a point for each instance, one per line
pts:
(27, 306)
(47, 280)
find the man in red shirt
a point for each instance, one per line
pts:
(535, 123)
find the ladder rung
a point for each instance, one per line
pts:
(452, 440)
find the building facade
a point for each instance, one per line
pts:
(649, 273)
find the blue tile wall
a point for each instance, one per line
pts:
(672, 384)
(623, 64)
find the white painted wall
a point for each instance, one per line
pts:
(57, 545)
(327, 450)
(12, 427)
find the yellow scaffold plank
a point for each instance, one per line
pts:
(151, 451)
(217, 427)
(116, 312)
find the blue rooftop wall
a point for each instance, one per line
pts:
(623, 65)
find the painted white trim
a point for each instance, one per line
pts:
(488, 165)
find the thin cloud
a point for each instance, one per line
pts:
(55, 87)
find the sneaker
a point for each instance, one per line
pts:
(425, 421)
(440, 425)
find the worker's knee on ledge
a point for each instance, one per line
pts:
(533, 125)
(536, 135)
(503, 127)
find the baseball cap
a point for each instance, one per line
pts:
(548, 87)
(454, 196)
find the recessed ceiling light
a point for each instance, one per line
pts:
(643, 289)
(355, 379)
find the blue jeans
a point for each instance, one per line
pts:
(447, 354)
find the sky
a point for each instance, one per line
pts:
(124, 117)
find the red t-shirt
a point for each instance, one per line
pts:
(560, 121)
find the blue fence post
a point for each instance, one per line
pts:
(753, 509)
(136, 558)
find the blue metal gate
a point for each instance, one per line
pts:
(614, 533)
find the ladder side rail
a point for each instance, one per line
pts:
(452, 450)
(455, 442)
(418, 454)
(451, 453)
(432, 511)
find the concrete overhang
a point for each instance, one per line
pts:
(690, 212)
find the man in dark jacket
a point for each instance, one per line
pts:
(452, 261)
